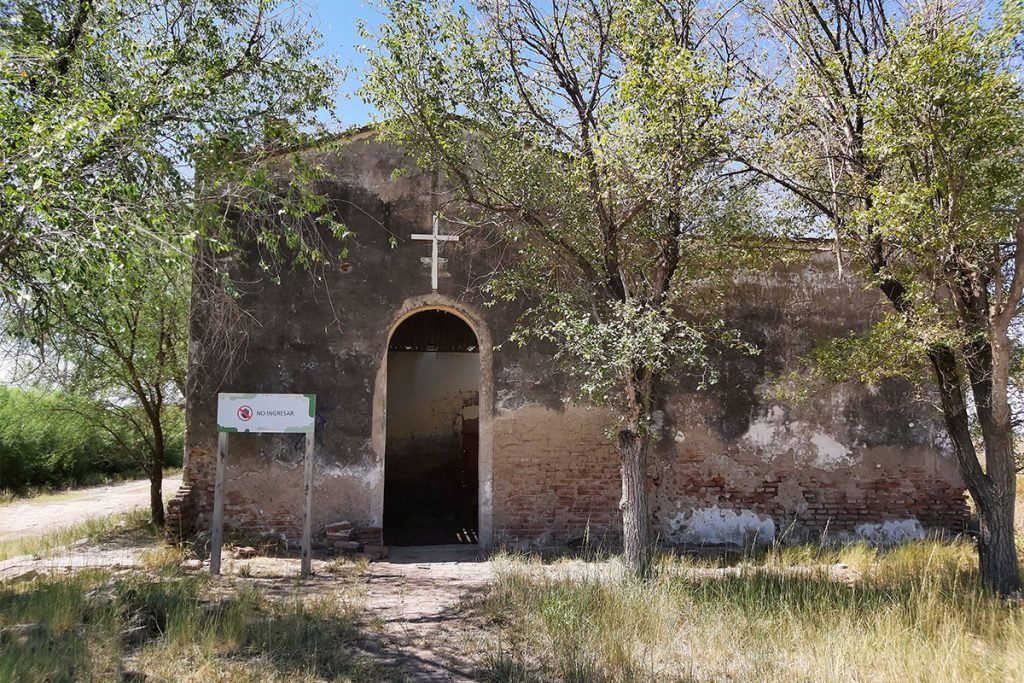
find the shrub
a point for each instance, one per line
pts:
(46, 442)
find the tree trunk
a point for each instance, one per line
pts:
(993, 491)
(636, 521)
(995, 499)
(156, 478)
(997, 550)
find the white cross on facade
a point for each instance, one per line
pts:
(435, 238)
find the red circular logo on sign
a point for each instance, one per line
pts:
(245, 413)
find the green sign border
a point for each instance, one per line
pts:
(291, 430)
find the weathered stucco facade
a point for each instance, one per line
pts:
(730, 466)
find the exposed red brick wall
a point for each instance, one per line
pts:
(828, 502)
(556, 477)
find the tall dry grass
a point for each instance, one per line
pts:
(90, 623)
(913, 613)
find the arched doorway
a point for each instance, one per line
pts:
(431, 471)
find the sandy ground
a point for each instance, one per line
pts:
(49, 513)
(414, 602)
(419, 596)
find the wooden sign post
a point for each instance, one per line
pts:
(267, 414)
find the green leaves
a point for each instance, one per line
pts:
(902, 135)
(949, 132)
(631, 338)
(134, 137)
(893, 348)
(590, 139)
(115, 116)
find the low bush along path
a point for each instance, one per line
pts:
(36, 516)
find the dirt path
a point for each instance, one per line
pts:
(414, 602)
(414, 605)
(49, 513)
(419, 595)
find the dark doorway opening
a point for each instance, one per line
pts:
(432, 443)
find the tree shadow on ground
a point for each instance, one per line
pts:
(92, 627)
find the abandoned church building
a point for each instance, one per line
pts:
(432, 427)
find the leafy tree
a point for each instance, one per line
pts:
(592, 134)
(118, 352)
(131, 121)
(907, 135)
(134, 133)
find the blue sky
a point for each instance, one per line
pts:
(336, 19)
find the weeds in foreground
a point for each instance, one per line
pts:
(90, 625)
(98, 530)
(163, 559)
(912, 613)
(347, 566)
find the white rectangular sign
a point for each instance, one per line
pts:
(274, 413)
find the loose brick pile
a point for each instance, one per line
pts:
(345, 539)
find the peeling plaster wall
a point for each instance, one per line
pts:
(328, 334)
(716, 526)
(730, 463)
(848, 457)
